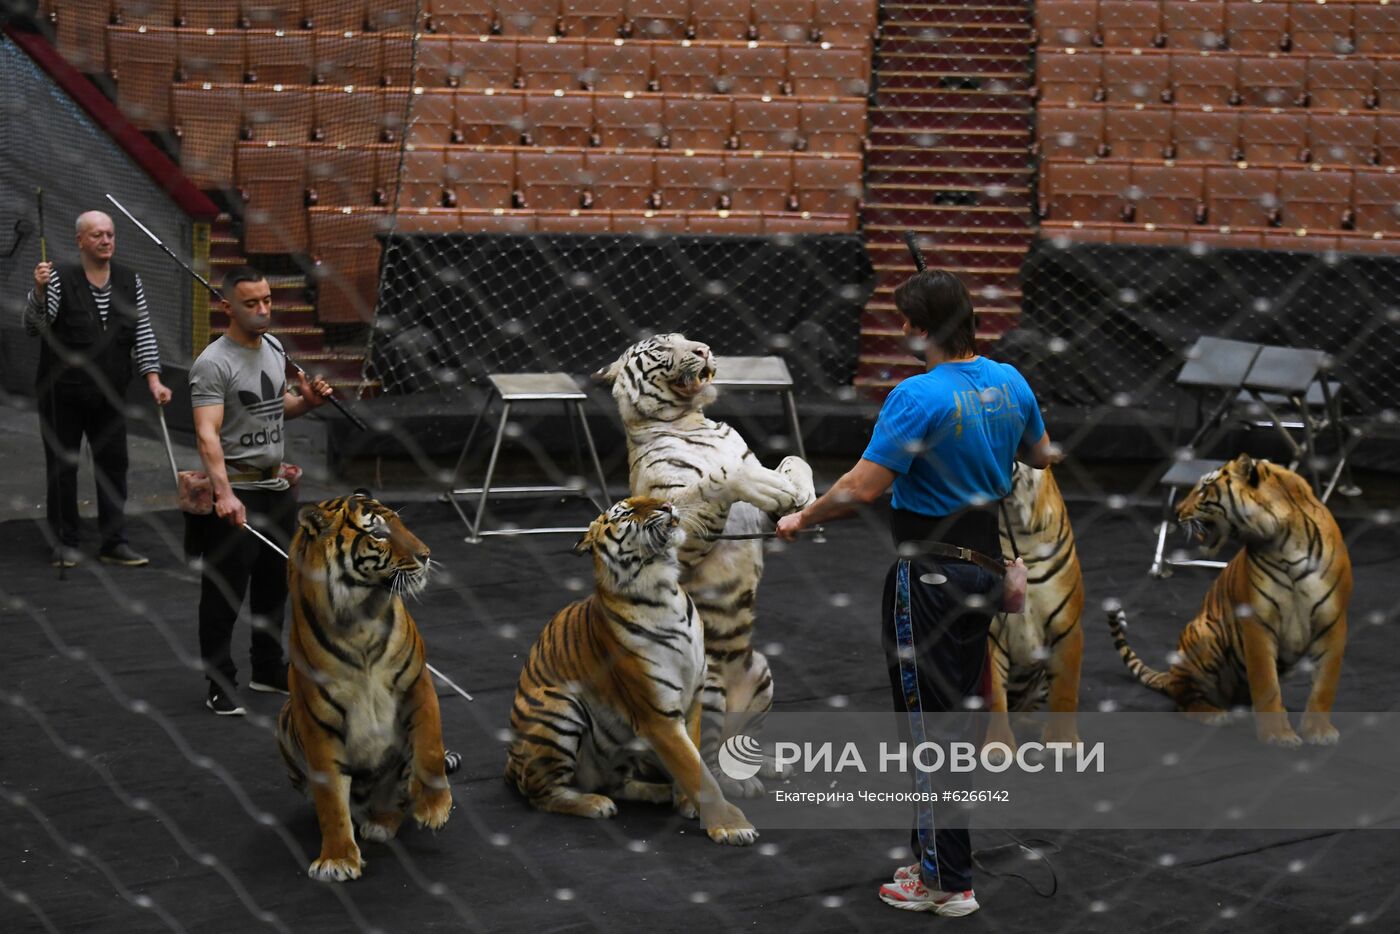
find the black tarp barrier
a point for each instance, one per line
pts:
(456, 307)
(1106, 324)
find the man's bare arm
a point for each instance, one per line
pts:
(863, 484)
(1041, 454)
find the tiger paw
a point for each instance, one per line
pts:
(683, 806)
(337, 868)
(732, 828)
(996, 756)
(1274, 729)
(736, 788)
(766, 490)
(596, 807)
(432, 808)
(381, 828)
(1319, 731)
(800, 473)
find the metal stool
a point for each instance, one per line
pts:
(763, 374)
(513, 389)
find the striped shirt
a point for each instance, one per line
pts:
(147, 351)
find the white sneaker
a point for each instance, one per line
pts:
(910, 895)
(912, 871)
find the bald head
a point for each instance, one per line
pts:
(97, 238)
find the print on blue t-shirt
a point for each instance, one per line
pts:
(952, 433)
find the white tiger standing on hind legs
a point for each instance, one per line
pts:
(662, 385)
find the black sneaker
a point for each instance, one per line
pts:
(65, 556)
(124, 555)
(222, 704)
(271, 682)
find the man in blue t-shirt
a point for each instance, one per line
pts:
(946, 441)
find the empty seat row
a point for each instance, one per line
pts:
(346, 247)
(774, 20)
(1367, 26)
(279, 182)
(1315, 198)
(145, 59)
(1234, 238)
(1208, 135)
(210, 119)
(1212, 78)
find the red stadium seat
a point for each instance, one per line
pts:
(538, 18)
(1067, 23)
(462, 17)
(617, 181)
(485, 62)
(1206, 135)
(207, 134)
(480, 180)
(818, 72)
(1274, 137)
(1167, 194)
(1376, 29)
(342, 176)
(1254, 26)
(550, 181)
(833, 126)
(552, 65)
(1376, 198)
(690, 183)
(827, 184)
(618, 66)
(278, 56)
(358, 118)
(628, 122)
(1071, 76)
(1204, 78)
(158, 13)
(1138, 133)
(1072, 131)
(1342, 139)
(846, 22)
(759, 182)
(786, 21)
(1316, 198)
(269, 14)
(1301, 239)
(574, 222)
(697, 122)
(272, 180)
(347, 255)
(490, 119)
(805, 222)
(143, 67)
(511, 222)
(1388, 83)
(592, 19)
(1388, 139)
(332, 15)
(1242, 197)
(648, 222)
(1273, 81)
(558, 120)
(396, 60)
(420, 184)
(434, 121)
(1130, 24)
(273, 114)
(722, 19)
(211, 55)
(1340, 83)
(680, 69)
(1134, 78)
(1084, 191)
(724, 223)
(1194, 24)
(752, 69)
(209, 14)
(774, 125)
(341, 60)
(658, 19)
(1320, 27)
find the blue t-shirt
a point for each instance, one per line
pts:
(952, 433)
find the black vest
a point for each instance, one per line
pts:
(78, 345)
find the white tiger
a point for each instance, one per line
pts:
(661, 385)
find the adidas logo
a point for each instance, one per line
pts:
(268, 406)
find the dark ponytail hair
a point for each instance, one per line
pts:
(937, 302)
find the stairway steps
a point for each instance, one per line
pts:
(935, 98)
(942, 27)
(949, 119)
(936, 44)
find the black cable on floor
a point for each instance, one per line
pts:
(1038, 851)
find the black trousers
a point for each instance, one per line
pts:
(936, 651)
(235, 564)
(67, 413)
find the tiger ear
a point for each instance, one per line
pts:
(1253, 473)
(313, 520)
(1248, 468)
(608, 374)
(584, 545)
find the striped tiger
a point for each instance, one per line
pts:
(361, 731)
(608, 701)
(1036, 655)
(1282, 597)
(662, 385)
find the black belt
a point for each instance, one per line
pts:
(944, 550)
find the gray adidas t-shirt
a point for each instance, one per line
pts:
(249, 384)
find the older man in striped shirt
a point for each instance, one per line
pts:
(93, 319)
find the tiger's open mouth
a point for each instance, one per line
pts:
(1208, 534)
(690, 383)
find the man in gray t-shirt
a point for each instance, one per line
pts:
(238, 388)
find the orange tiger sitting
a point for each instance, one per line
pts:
(609, 699)
(361, 727)
(1282, 597)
